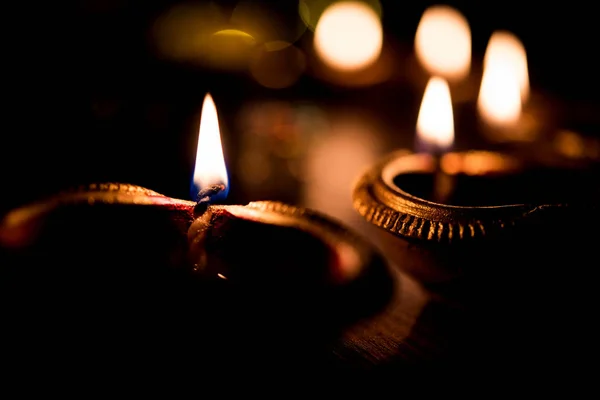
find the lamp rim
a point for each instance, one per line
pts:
(381, 202)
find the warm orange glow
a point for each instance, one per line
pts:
(570, 144)
(443, 42)
(504, 47)
(435, 124)
(200, 32)
(479, 163)
(210, 164)
(499, 100)
(348, 36)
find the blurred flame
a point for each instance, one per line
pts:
(504, 47)
(348, 36)
(435, 124)
(499, 101)
(443, 42)
(570, 144)
(210, 164)
(477, 162)
(268, 22)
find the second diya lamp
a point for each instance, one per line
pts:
(497, 205)
(513, 246)
(479, 216)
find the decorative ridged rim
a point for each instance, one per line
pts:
(108, 193)
(400, 213)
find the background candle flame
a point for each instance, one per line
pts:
(504, 47)
(210, 166)
(505, 82)
(499, 101)
(349, 36)
(435, 124)
(443, 42)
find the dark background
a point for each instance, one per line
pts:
(87, 97)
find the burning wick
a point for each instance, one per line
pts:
(205, 198)
(435, 133)
(210, 180)
(224, 239)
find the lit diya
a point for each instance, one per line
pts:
(450, 202)
(125, 257)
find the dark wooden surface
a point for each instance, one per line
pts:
(98, 299)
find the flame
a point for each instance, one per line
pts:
(210, 166)
(499, 100)
(504, 47)
(349, 36)
(505, 81)
(435, 124)
(443, 42)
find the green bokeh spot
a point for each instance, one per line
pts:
(311, 10)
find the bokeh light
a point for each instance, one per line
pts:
(268, 22)
(230, 48)
(183, 33)
(348, 36)
(278, 65)
(443, 42)
(205, 33)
